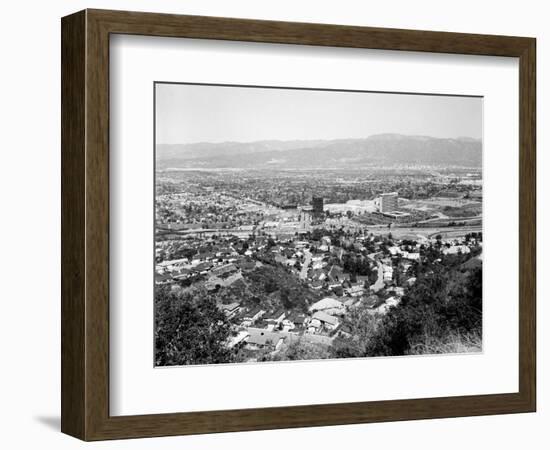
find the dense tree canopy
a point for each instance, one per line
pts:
(360, 326)
(443, 301)
(190, 329)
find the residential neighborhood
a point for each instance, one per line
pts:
(283, 276)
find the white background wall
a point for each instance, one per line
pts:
(30, 225)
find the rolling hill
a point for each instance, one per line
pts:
(382, 149)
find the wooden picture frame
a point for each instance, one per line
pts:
(85, 224)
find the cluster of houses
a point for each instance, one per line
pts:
(321, 265)
(257, 329)
(192, 209)
(223, 261)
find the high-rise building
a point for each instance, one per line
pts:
(318, 205)
(388, 202)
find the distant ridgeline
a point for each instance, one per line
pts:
(377, 150)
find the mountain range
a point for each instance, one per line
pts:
(381, 149)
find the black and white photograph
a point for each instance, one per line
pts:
(307, 224)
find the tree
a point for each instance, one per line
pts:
(244, 248)
(189, 329)
(285, 299)
(397, 270)
(444, 301)
(362, 326)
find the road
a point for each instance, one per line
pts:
(413, 232)
(305, 266)
(379, 284)
(204, 231)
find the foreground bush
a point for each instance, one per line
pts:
(453, 342)
(190, 329)
(444, 305)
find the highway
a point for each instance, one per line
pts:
(400, 232)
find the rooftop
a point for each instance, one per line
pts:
(326, 303)
(260, 336)
(323, 317)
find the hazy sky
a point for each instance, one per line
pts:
(194, 113)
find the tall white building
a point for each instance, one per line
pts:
(388, 202)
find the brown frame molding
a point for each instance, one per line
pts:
(85, 224)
